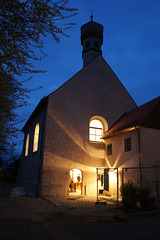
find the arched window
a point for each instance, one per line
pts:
(36, 138)
(27, 145)
(95, 130)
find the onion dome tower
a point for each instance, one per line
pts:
(91, 40)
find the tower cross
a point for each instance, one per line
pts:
(91, 15)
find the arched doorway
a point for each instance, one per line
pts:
(75, 181)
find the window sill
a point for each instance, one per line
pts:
(99, 145)
(35, 151)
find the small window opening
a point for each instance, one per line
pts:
(87, 44)
(109, 149)
(96, 44)
(127, 144)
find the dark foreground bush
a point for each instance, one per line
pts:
(146, 200)
(129, 196)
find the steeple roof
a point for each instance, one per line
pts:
(92, 29)
(91, 40)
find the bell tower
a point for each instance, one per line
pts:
(91, 40)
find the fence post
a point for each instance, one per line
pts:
(122, 176)
(97, 184)
(117, 188)
(156, 183)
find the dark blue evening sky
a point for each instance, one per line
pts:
(131, 47)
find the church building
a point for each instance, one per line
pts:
(89, 124)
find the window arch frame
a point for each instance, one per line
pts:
(27, 145)
(95, 130)
(104, 128)
(36, 138)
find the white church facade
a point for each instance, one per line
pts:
(91, 122)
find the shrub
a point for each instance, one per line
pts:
(146, 200)
(132, 194)
(129, 193)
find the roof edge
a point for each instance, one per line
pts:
(118, 132)
(36, 111)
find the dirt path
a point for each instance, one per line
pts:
(27, 218)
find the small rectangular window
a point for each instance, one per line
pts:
(109, 149)
(127, 144)
(96, 44)
(87, 44)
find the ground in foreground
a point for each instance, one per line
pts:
(27, 218)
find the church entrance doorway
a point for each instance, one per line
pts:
(75, 182)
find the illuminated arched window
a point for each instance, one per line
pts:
(95, 130)
(36, 138)
(27, 146)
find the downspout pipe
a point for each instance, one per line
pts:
(140, 156)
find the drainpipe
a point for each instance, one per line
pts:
(140, 156)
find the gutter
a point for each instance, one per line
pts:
(118, 132)
(140, 156)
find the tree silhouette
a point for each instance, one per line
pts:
(23, 25)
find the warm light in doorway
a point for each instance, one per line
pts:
(76, 175)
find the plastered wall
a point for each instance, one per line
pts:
(94, 91)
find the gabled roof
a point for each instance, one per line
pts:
(147, 115)
(95, 79)
(104, 72)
